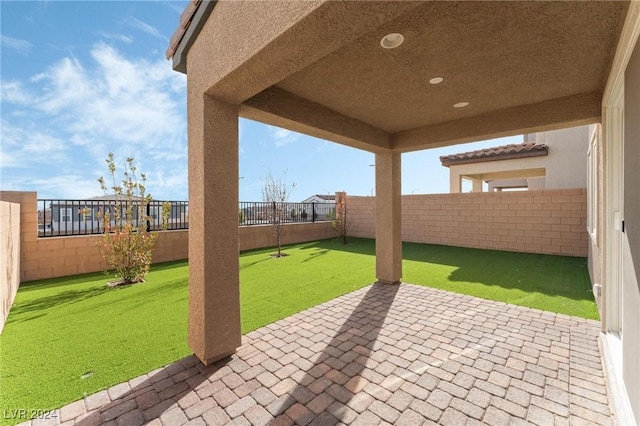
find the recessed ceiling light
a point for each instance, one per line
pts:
(436, 80)
(391, 41)
(461, 104)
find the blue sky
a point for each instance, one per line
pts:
(82, 79)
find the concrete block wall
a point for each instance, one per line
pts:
(62, 256)
(259, 236)
(9, 257)
(28, 224)
(545, 221)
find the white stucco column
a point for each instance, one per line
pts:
(477, 185)
(214, 284)
(388, 218)
(455, 181)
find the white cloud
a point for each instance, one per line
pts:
(118, 37)
(71, 186)
(14, 92)
(326, 146)
(120, 100)
(146, 28)
(6, 159)
(282, 137)
(15, 43)
(68, 86)
(28, 147)
(171, 181)
(77, 112)
(177, 8)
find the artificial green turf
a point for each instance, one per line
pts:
(62, 328)
(552, 283)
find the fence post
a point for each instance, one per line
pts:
(313, 212)
(148, 216)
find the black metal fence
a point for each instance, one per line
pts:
(259, 213)
(83, 217)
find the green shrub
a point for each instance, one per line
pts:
(126, 245)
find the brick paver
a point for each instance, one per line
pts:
(383, 354)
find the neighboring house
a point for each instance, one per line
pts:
(546, 160)
(83, 216)
(323, 207)
(320, 198)
(314, 208)
(44, 220)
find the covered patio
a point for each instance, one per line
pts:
(387, 77)
(401, 354)
(393, 77)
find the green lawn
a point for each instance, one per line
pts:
(60, 329)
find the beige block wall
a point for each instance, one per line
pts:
(9, 256)
(547, 221)
(28, 225)
(258, 236)
(62, 256)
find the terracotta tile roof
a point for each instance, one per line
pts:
(185, 21)
(504, 152)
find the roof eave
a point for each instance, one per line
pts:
(511, 156)
(198, 20)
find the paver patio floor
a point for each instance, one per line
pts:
(401, 354)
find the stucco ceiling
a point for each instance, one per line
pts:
(494, 55)
(501, 57)
(317, 67)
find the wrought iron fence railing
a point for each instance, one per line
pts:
(260, 213)
(83, 217)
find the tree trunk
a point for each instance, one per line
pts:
(279, 248)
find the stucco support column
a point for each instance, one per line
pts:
(477, 185)
(388, 218)
(214, 284)
(455, 182)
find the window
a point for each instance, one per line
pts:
(155, 211)
(65, 215)
(593, 177)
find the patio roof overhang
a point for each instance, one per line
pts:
(507, 174)
(319, 68)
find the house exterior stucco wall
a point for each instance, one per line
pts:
(631, 235)
(9, 256)
(596, 242)
(567, 165)
(564, 167)
(547, 222)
